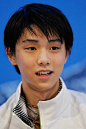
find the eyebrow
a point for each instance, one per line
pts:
(36, 41)
(54, 40)
(30, 40)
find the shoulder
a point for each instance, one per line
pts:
(8, 105)
(78, 95)
(6, 112)
(78, 100)
(12, 101)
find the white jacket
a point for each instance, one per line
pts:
(66, 111)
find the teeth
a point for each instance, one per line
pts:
(43, 73)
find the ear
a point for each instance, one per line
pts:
(11, 56)
(67, 53)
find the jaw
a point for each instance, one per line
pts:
(43, 88)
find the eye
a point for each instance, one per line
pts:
(31, 48)
(54, 48)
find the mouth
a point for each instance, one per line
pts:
(44, 73)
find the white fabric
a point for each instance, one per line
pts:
(66, 111)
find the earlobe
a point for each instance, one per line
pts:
(11, 56)
(67, 53)
(66, 59)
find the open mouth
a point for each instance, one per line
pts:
(42, 73)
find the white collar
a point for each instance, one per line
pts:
(51, 109)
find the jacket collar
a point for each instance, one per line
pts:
(20, 109)
(51, 109)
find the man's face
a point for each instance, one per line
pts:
(40, 60)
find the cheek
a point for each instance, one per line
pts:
(25, 64)
(58, 62)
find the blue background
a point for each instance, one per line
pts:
(75, 11)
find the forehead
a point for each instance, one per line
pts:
(36, 32)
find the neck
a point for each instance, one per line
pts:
(33, 96)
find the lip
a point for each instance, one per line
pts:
(44, 77)
(45, 70)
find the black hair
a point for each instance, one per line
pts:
(48, 18)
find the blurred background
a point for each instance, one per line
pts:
(74, 72)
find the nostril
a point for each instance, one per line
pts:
(43, 61)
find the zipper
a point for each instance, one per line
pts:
(40, 118)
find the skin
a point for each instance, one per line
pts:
(34, 53)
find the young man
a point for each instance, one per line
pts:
(38, 39)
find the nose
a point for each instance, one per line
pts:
(43, 58)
